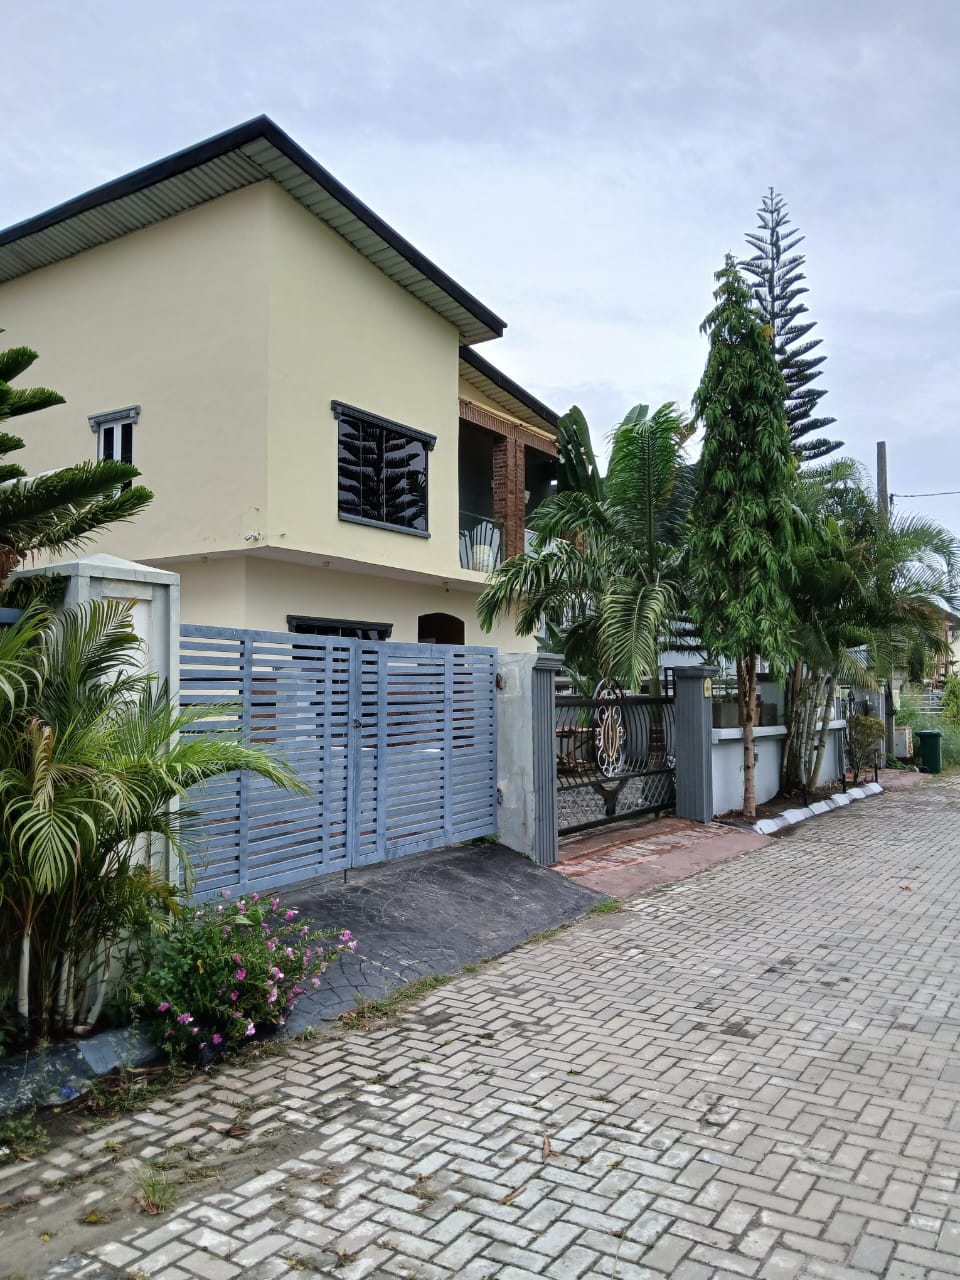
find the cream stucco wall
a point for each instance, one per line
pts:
(233, 326)
(258, 592)
(341, 330)
(174, 319)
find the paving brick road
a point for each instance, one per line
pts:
(753, 1073)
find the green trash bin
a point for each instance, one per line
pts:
(931, 753)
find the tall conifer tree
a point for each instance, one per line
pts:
(776, 277)
(741, 539)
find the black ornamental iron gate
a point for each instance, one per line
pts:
(615, 757)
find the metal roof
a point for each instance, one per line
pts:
(516, 400)
(238, 158)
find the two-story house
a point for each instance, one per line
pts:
(296, 382)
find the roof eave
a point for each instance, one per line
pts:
(478, 324)
(508, 389)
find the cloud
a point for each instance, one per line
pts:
(581, 165)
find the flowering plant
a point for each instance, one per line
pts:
(229, 969)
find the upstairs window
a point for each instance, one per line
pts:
(114, 432)
(381, 471)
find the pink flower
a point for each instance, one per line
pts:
(217, 1038)
(345, 935)
(272, 945)
(242, 907)
(237, 959)
(290, 915)
(234, 996)
(351, 946)
(241, 974)
(274, 904)
(251, 1029)
(256, 897)
(162, 1008)
(315, 983)
(219, 908)
(224, 893)
(185, 1018)
(195, 1031)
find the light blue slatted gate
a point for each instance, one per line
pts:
(397, 743)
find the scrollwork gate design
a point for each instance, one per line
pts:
(614, 757)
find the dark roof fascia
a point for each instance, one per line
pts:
(232, 140)
(493, 374)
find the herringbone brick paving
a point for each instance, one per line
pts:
(755, 1073)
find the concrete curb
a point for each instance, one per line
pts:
(54, 1076)
(790, 817)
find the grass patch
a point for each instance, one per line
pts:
(545, 935)
(129, 1089)
(606, 908)
(157, 1192)
(369, 1012)
(21, 1138)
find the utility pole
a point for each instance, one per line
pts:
(883, 505)
(883, 497)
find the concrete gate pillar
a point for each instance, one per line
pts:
(527, 754)
(693, 742)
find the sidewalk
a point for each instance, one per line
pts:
(625, 863)
(755, 1073)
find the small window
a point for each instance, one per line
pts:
(114, 432)
(382, 471)
(346, 628)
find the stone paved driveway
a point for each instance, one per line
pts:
(755, 1073)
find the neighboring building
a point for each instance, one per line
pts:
(296, 383)
(949, 664)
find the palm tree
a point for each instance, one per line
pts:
(92, 754)
(603, 575)
(868, 591)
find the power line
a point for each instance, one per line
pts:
(942, 493)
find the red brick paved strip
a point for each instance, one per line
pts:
(655, 854)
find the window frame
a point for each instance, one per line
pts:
(333, 628)
(114, 421)
(373, 421)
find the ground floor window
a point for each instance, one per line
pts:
(346, 628)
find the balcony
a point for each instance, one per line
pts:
(481, 542)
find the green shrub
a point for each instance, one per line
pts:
(950, 706)
(910, 714)
(865, 737)
(230, 969)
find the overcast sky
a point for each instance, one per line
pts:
(581, 166)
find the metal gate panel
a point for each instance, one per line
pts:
(615, 758)
(396, 744)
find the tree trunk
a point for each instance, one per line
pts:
(103, 982)
(791, 708)
(23, 978)
(747, 699)
(824, 734)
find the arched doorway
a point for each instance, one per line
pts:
(439, 628)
